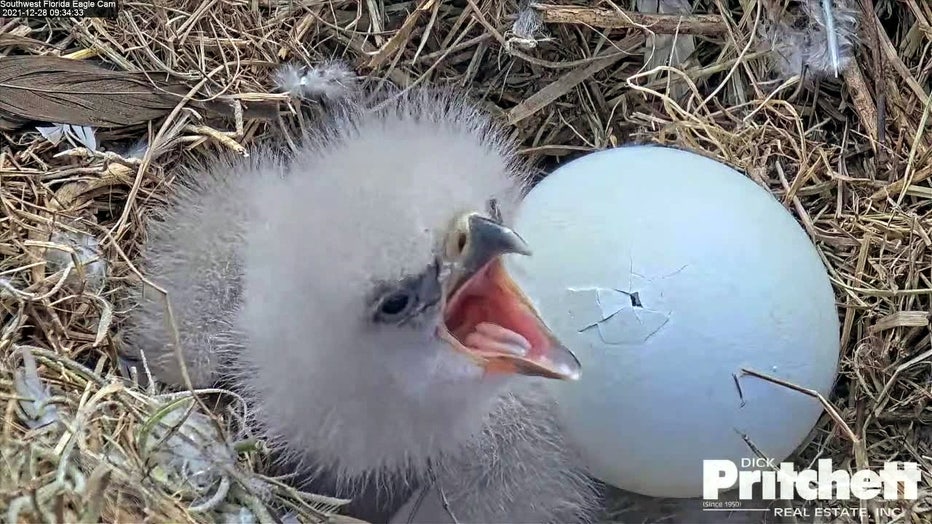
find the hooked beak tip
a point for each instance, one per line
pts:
(488, 239)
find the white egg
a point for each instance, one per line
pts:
(667, 273)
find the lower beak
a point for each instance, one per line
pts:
(488, 317)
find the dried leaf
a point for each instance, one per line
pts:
(53, 89)
(24, 42)
(901, 319)
(106, 319)
(10, 122)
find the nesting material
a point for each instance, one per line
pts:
(668, 50)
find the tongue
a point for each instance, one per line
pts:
(493, 339)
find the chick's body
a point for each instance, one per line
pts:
(274, 267)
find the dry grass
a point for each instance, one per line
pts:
(849, 157)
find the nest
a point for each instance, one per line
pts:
(848, 155)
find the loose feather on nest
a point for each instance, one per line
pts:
(527, 29)
(815, 37)
(329, 81)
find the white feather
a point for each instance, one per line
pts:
(83, 135)
(833, 49)
(53, 133)
(526, 31)
(817, 39)
(36, 409)
(137, 150)
(188, 446)
(88, 253)
(330, 80)
(527, 24)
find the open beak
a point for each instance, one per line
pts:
(486, 315)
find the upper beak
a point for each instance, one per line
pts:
(485, 313)
(487, 240)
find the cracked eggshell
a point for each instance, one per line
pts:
(667, 273)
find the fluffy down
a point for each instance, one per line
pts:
(268, 263)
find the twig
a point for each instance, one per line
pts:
(446, 503)
(219, 136)
(560, 87)
(857, 444)
(620, 19)
(861, 98)
(832, 412)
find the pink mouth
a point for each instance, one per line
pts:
(492, 321)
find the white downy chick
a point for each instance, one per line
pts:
(354, 291)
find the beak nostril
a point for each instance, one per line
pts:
(461, 243)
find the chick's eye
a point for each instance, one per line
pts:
(395, 306)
